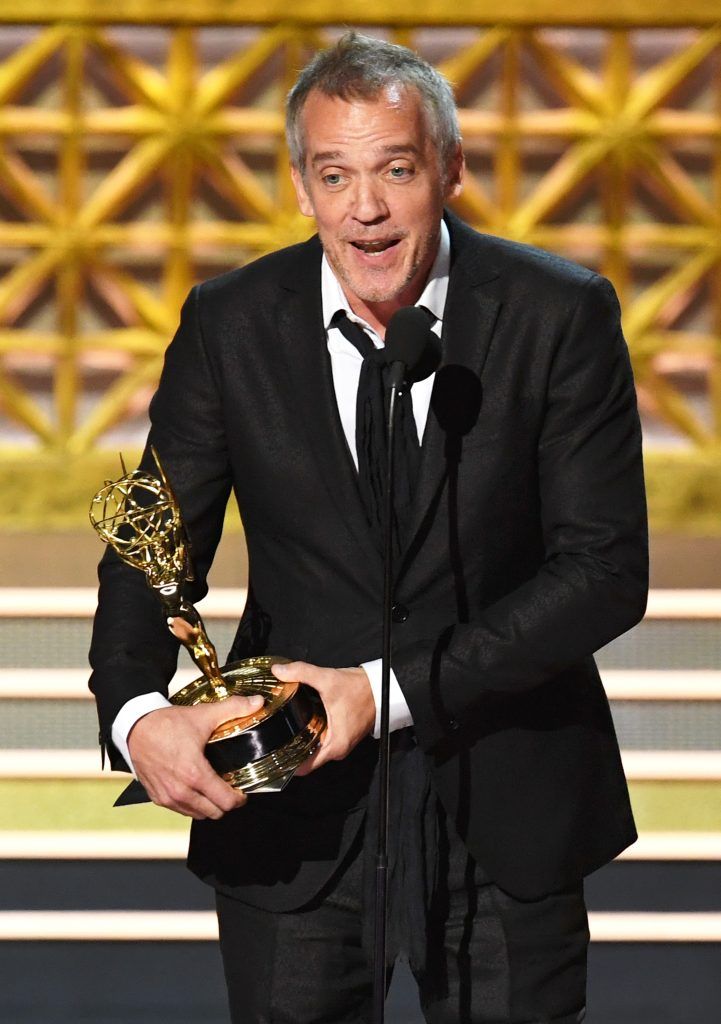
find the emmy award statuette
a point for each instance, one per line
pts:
(139, 517)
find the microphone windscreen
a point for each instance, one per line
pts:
(410, 340)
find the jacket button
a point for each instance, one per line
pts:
(399, 612)
(453, 725)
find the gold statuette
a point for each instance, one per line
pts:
(139, 517)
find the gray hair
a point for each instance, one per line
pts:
(360, 67)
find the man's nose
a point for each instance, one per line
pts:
(369, 205)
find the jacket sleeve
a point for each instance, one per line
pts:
(592, 583)
(132, 650)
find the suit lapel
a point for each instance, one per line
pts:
(468, 324)
(301, 334)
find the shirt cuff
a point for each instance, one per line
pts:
(129, 714)
(399, 715)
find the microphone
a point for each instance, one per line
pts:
(411, 348)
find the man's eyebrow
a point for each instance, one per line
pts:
(329, 154)
(337, 154)
(405, 147)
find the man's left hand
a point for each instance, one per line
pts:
(348, 700)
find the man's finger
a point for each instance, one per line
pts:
(209, 785)
(295, 672)
(212, 798)
(191, 787)
(198, 808)
(318, 757)
(315, 760)
(236, 706)
(223, 795)
(215, 805)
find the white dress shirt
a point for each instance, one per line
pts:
(346, 363)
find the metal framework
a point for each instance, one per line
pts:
(134, 160)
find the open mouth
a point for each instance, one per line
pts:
(374, 248)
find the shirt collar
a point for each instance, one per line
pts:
(433, 296)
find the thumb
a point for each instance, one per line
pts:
(288, 672)
(233, 707)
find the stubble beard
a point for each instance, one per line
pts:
(379, 292)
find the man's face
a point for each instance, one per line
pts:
(374, 183)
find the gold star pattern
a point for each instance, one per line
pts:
(132, 165)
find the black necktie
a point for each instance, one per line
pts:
(372, 440)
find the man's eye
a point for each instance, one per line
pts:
(332, 179)
(400, 172)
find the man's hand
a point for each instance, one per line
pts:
(166, 747)
(348, 700)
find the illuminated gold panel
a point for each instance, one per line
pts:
(614, 13)
(134, 161)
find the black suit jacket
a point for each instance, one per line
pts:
(528, 553)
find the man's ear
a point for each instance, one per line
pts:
(456, 170)
(304, 204)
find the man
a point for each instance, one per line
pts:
(523, 552)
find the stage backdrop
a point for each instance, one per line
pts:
(141, 149)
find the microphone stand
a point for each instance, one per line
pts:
(381, 901)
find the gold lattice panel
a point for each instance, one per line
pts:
(123, 179)
(137, 159)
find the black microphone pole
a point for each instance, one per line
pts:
(381, 903)
(413, 352)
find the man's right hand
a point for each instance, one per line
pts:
(166, 747)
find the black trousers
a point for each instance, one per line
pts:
(490, 959)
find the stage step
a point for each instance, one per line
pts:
(50, 628)
(91, 895)
(202, 926)
(652, 710)
(152, 922)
